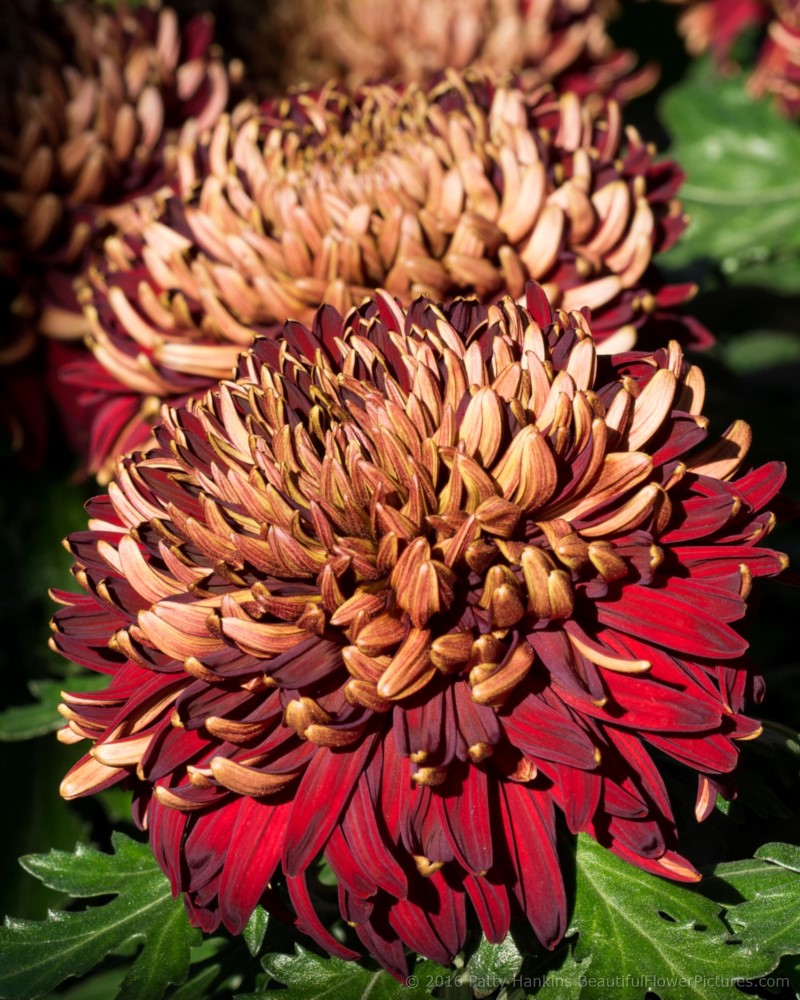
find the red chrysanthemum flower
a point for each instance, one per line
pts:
(407, 585)
(467, 187)
(563, 42)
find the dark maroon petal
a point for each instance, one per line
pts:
(561, 660)
(115, 424)
(761, 485)
(643, 771)
(528, 823)
(166, 828)
(385, 946)
(98, 658)
(425, 835)
(309, 922)
(717, 560)
(326, 786)
(251, 859)
(435, 926)
(736, 685)
(465, 818)
(538, 304)
(698, 518)
(201, 907)
(685, 433)
(478, 724)
(642, 837)
(717, 602)
(395, 790)
(355, 909)
(713, 752)
(623, 803)
(543, 733)
(640, 703)
(491, 904)
(576, 792)
(306, 663)
(368, 843)
(347, 870)
(207, 844)
(668, 864)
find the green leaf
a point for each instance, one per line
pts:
(198, 985)
(99, 986)
(36, 956)
(493, 965)
(641, 934)
(770, 912)
(43, 820)
(774, 269)
(740, 191)
(749, 352)
(255, 930)
(24, 722)
(310, 977)
(785, 855)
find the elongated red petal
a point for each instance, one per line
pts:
(466, 820)
(535, 860)
(667, 621)
(491, 904)
(309, 921)
(327, 784)
(543, 733)
(251, 859)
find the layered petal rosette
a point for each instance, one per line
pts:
(467, 187)
(409, 586)
(564, 42)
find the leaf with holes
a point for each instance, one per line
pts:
(643, 934)
(35, 956)
(770, 911)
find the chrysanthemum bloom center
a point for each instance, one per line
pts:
(426, 512)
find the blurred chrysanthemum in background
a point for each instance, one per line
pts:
(719, 24)
(467, 187)
(356, 41)
(405, 586)
(91, 101)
